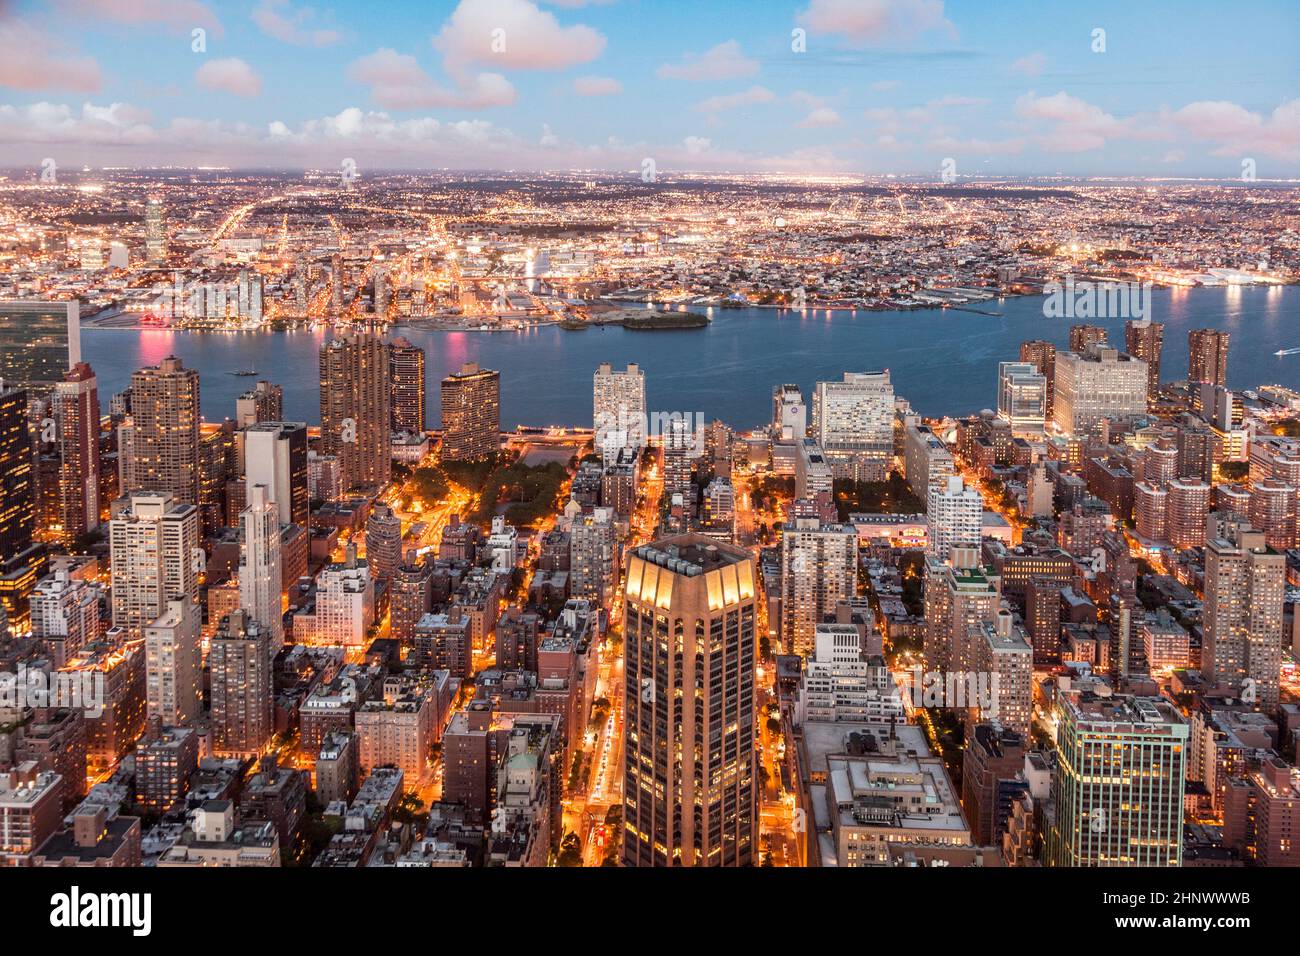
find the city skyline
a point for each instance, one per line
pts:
(917, 88)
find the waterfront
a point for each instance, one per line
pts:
(942, 361)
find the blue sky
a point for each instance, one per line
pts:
(1189, 88)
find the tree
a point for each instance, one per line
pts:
(570, 851)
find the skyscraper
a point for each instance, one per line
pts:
(275, 455)
(1085, 337)
(77, 398)
(618, 410)
(471, 414)
(155, 232)
(259, 564)
(264, 402)
(1117, 791)
(154, 547)
(383, 542)
(1207, 356)
(593, 557)
(1042, 355)
(789, 414)
(1189, 503)
(853, 421)
(689, 796)
(1022, 397)
(955, 517)
(172, 664)
(355, 409)
(1144, 339)
(407, 362)
(1094, 386)
(17, 484)
(159, 448)
(819, 570)
(239, 662)
(958, 594)
(1245, 582)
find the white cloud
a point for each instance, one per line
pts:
(230, 75)
(723, 62)
(1031, 64)
(530, 38)
(276, 18)
(695, 145)
(32, 60)
(174, 15)
(1237, 131)
(597, 86)
(820, 117)
(730, 101)
(398, 82)
(875, 23)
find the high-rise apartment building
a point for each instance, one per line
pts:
(619, 410)
(689, 767)
(927, 462)
(593, 557)
(155, 232)
(355, 409)
(1094, 386)
(1022, 397)
(1085, 337)
(154, 548)
(853, 421)
(1117, 792)
(819, 570)
(407, 362)
(77, 401)
(955, 518)
(1042, 355)
(275, 456)
(1273, 511)
(471, 414)
(1245, 584)
(1188, 505)
(383, 542)
(958, 594)
(264, 402)
(1144, 339)
(1207, 356)
(260, 576)
(239, 660)
(173, 669)
(158, 449)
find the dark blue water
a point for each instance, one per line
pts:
(942, 361)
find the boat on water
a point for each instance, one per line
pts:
(1287, 352)
(244, 372)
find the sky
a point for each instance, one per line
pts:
(1152, 88)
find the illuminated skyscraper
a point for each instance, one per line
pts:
(853, 421)
(356, 409)
(1085, 337)
(17, 484)
(1117, 791)
(77, 398)
(407, 362)
(618, 410)
(383, 542)
(955, 516)
(264, 402)
(1144, 339)
(1207, 356)
(154, 547)
(172, 664)
(239, 661)
(689, 796)
(159, 447)
(275, 455)
(259, 564)
(1022, 397)
(471, 414)
(819, 570)
(1094, 386)
(155, 232)
(1042, 355)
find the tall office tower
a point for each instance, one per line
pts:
(680, 451)
(1151, 513)
(1118, 787)
(853, 421)
(264, 402)
(407, 363)
(958, 594)
(1022, 397)
(593, 557)
(155, 232)
(172, 663)
(154, 547)
(1186, 509)
(383, 542)
(218, 466)
(65, 615)
(927, 462)
(689, 796)
(955, 518)
(819, 570)
(159, 449)
(1085, 337)
(1043, 618)
(239, 662)
(1159, 462)
(355, 409)
(1144, 339)
(1003, 655)
(471, 414)
(618, 410)
(17, 483)
(275, 455)
(77, 400)
(259, 564)
(1207, 356)
(381, 296)
(1273, 511)
(1042, 356)
(1245, 583)
(789, 414)
(411, 597)
(991, 760)
(1095, 386)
